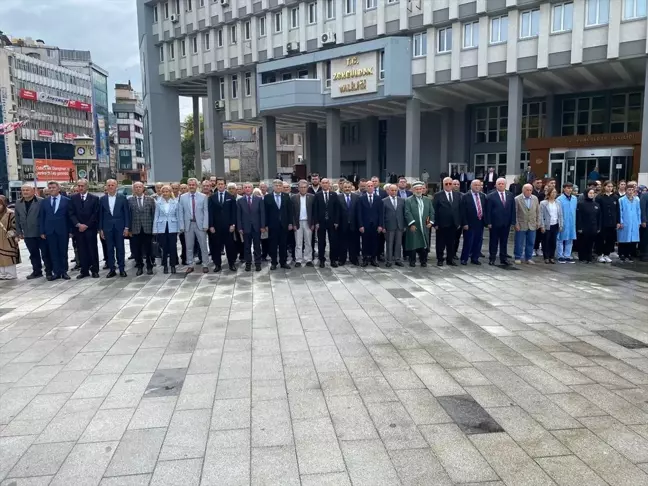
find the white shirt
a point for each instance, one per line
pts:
(303, 214)
(449, 196)
(553, 212)
(111, 203)
(491, 175)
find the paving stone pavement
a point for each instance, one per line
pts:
(467, 376)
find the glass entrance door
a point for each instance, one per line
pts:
(620, 167)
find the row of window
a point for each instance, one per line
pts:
(234, 86)
(51, 73)
(125, 115)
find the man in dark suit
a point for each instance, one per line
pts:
(490, 179)
(142, 211)
(538, 191)
(403, 192)
(55, 228)
(315, 187)
(473, 221)
(500, 216)
(250, 217)
(28, 228)
(446, 221)
(529, 176)
(370, 221)
(222, 223)
(394, 226)
(84, 215)
(327, 220)
(279, 219)
(114, 223)
(348, 236)
(377, 188)
(381, 194)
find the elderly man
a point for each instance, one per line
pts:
(55, 228)
(287, 189)
(263, 187)
(27, 226)
(84, 215)
(222, 225)
(394, 225)
(303, 215)
(527, 222)
(158, 190)
(369, 219)
(279, 218)
(114, 223)
(446, 210)
(500, 216)
(142, 210)
(327, 220)
(251, 222)
(473, 217)
(194, 222)
(419, 217)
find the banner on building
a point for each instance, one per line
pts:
(46, 133)
(69, 136)
(45, 97)
(55, 170)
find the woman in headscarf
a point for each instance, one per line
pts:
(9, 252)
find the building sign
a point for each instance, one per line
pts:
(578, 141)
(69, 136)
(45, 133)
(27, 94)
(55, 170)
(354, 75)
(44, 97)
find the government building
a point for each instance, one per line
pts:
(405, 86)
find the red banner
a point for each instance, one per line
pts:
(44, 97)
(45, 133)
(79, 105)
(69, 136)
(27, 94)
(54, 170)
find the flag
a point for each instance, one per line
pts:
(9, 127)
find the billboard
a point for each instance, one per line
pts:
(55, 170)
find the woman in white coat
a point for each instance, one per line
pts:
(629, 223)
(166, 226)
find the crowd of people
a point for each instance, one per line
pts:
(361, 222)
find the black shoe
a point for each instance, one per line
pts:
(65, 276)
(232, 268)
(424, 264)
(439, 264)
(199, 262)
(131, 257)
(464, 262)
(248, 267)
(297, 265)
(73, 260)
(184, 262)
(322, 265)
(285, 266)
(105, 267)
(355, 262)
(365, 263)
(111, 274)
(32, 276)
(388, 265)
(381, 258)
(173, 269)
(412, 264)
(491, 262)
(399, 264)
(257, 267)
(51, 278)
(341, 263)
(166, 269)
(82, 275)
(506, 263)
(217, 268)
(139, 272)
(149, 271)
(122, 274)
(481, 255)
(309, 264)
(95, 275)
(452, 263)
(334, 264)
(273, 266)
(374, 263)
(476, 262)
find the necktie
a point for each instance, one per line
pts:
(221, 197)
(479, 206)
(139, 202)
(370, 199)
(82, 200)
(394, 202)
(326, 197)
(502, 198)
(348, 198)
(54, 203)
(250, 203)
(193, 206)
(450, 197)
(278, 201)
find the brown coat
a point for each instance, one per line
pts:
(527, 218)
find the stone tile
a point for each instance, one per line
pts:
(41, 460)
(489, 396)
(271, 424)
(437, 380)
(71, 421)
(622, 339)
(471, 417)
(137, 452)
(350, 418)
(138, 480)
(112, 364)
(419, 467)
(107, 425)
(187, 435)
(184, 472)
(11, 449)
(576, 405)
(274, 465)
(328, 479)
(423, 407)
(396, 428)
(307, 404)
(197, 391)
(368, 463)
(227, 458)
(36, 481)
(616, 406)
(620, 437)
(317, 447)
(469, 377)
(569, 471)
(231, 414)
(166, 382)
(96, 386)
(153, 412)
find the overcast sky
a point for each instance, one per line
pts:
(107, 28)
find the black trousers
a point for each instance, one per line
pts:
(238, 245)
(445, 242)
(264, 248)
(290, 244)
(498, 238)
(141, 246)
(38, 250)
(183, 255)
(586, 246)
(422, 254)
(223, 238)
(627, 250)
(327, 228)
(539, 239)
(348, 245)
(278, 243)
(549, 242)
(380, 243)
(169, 243)
(250, 239)
(370, 243)
(88, 252)
(643, 244)
(605, 241)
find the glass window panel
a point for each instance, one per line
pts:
(503, 135)
(583, 104)
(481, 113)
(526, 24)
(634, 127)
(567, 130)
(618, 100)
(568, 14)
(535, 22)
(583, 117)
(503, 110)
(492, 137)
(604, 11)
(597, 129)
(581, 130)
(492, 123)
(617, 127)
(481, 125)
(634, 114)
(481, 137)
(598, 116)
(569, 105)
(634, 99)
(598, 103)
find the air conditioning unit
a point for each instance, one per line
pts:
(328, 37)
(219, 105)
(174, 18)
(292, 47)
(224, 3)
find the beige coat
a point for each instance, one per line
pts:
(527, 218)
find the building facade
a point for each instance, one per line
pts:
(407, 86)
(130, 133)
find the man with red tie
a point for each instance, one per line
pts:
(473, 221)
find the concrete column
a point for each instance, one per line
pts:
(310, 148)
(643, 161)
(370, 136)
(196, 129)
(215, 124)
(444, 145)
(514, 127)
(549, 117)
(413, 138)
(333, 143)
(269, 165)
(459, 143)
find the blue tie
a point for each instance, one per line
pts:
(54, 203)
(348, 202)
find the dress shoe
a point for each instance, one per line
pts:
(111, 274)
(173, 269)
(257, 267)
(424, 264)
(32, 276)
(139, 272)
(491, 262)
(322, 265)
(309, 264)
(481, 255)
(285, 266)
(452, 263)
(506, 263)
(51, 278)
(217, 268)
(166, 269)
(189, 270)
(439, 264)
(364, 264)
(105, 267)
(355, 262)
(388, 264)
(341, 263)
(82, 275)
(374, 263)
(464, 262)
(122, 274)
(297, 265)
(95, 275)
(381, 258)
(205, 270)
(199, 262)
(334, 264)
(476, 262)
(273, 266)
(149, 271)
(248, 267)
(399, 264)
(232, 268)
(412, 264)
(65, 276)
(48, 274)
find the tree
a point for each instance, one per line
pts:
(187, 146)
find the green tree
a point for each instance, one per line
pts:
(187, 146)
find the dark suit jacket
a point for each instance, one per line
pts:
(368, 215)
(252, 219)
(515, 189)
(539, 194)
(446, 215)
(311, 191)
(333, 208)
(86, 213)
(407, 193)
(348, 215)
(497, 214)
(117, 221)
(55, 223)
(382, 194)
(278, 218)
(296, 206)
(222, 216)
(468, 210)
(142, 218)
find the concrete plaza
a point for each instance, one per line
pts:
(474, 375)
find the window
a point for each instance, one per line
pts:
(122, 115)
(499, 29)
(312, 12)
(484, 161)
(533, 119)
(248, 84)
(219, 37)
(183, 48)
(171, 51)
(634, 9)
(563, 14)
(202, 3)
(161, 53)
(626, 112)
(221, 88)
(189, 5)
(166, 10)
(277, 22)
(177, 7)
(194, 44)
(262, 30)
(392, 1)
(598, 12)
(349, 6)
(327, 77)
(529, 23)
(471, 35)
(491, 124)
(206, 40)
(294, 18)
(419, 42)
(233, 33)
(302, 74)
(445, 40)
(381, 65)
(330, 9)
(371, 4)
(268, 78)
(234, 86)
(246, 30)
(155, 14)
(583, 116)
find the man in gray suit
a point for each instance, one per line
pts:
(194, 222)
(28, 228)
(250, 221)
(302, 204)
(142, 208)
(394, 218)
